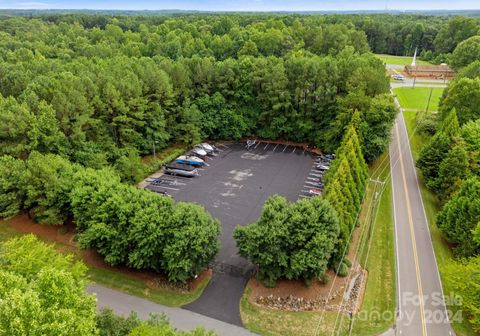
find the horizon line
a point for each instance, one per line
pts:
(252, 11)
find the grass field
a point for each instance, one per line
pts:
(442, 251)
(120, 281)
(378, 308)
(417, 98)
(380, 295)
(399, 60)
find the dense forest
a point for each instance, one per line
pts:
(101, 91)
(102, 96)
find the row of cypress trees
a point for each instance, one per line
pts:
(345, 186)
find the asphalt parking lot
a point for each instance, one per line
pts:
(233, 188)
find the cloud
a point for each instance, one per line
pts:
(28, 5)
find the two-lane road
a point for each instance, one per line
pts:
(421, 308)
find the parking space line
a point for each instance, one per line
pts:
(257, 145)
(284, 148)
(163, 187)
(266, 146)
(176, 177)
(275, 147)
(294, 149)
(168, 182)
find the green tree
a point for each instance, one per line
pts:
(470, 133)
(450, 125)
(466, 52)
(294, 241)
(43, 292)
(463, 277)
(110, 324)
(464, 96)
(12, 192)
(432, 155)
(47, 183)
(192, 242)
(18, 128)
(452, 172)
(457, 30)
(460, 216)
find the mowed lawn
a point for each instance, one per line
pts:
(399, 60)
(417, 98)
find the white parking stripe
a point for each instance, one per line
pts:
(257, 145)
(266, 146)
(275, 147)
(285, 148)
(294, 149)
(169, 182)
(162, 187)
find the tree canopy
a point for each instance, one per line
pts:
(293, 241)
(42, 292)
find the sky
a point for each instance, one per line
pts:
(244, 5)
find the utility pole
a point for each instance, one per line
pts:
(414, 80)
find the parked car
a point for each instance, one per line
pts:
(399, 77)
(330, 156)
(322, 167)
(315, 191)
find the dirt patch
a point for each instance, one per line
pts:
(65, 236)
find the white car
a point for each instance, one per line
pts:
(399, 77)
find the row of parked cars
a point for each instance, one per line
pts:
(186, 165)
(320, 167)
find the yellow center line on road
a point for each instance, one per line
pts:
(412, 233)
